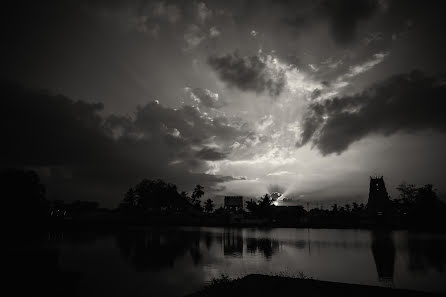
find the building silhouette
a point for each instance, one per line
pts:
(233, 202)
(378, 204)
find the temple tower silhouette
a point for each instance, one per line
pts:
(378, 203)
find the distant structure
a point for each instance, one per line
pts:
(233, 202)
(378, 203)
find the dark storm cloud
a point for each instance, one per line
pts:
(343, 16)
(192, 126)
(101, 157)
(248, 73)
(210, 154)
(49, 127)
(316, 93)
(407, 103)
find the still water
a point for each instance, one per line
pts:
(177, 261)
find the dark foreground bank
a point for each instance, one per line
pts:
(264, 285)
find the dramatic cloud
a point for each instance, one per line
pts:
(212, 67)
(205, 97)
(210, 154)
(407, 103)
(345, 16)
(100, 157)
(330, 90)
(358, 69)
(249, 73)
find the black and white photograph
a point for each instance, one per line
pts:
(198, 148)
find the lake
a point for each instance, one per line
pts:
(179, 260)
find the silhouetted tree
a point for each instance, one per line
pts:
(209, 206)
(23, 196)
(407, 196)
(130, 200)
(251, 206)
(407, 191)
(154, 195)
(185, 195)
(261, 208)
(428, 210)
(347, 207)
(420, 207)
(265, 201)
(220, 211)
(196, 195)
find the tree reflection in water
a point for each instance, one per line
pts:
(266, 246)
(178, 259)
(426, 253)
(155, 249)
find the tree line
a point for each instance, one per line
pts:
(25, 199)
(158, 195)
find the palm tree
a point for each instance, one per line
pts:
(198, 191)
(209, 206)
(196, 195)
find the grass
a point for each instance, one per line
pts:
(226, 279)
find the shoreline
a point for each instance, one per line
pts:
(265, 285)
(81, 224)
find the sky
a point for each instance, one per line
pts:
(308, 98)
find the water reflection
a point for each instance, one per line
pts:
(208, 240)
(383, 249)
(233, 242)
(33, 269)
(175, 261)
(266, 246)
(426, 253)
(155, 249)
